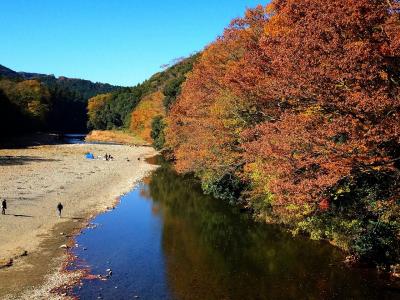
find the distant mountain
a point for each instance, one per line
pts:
(85, 89)
(8, 73)
(27, 75)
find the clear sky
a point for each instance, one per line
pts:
(115, 41)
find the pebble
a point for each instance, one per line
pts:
(6, 263)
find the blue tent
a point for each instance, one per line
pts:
(89, 155)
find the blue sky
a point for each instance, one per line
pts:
(116, 41)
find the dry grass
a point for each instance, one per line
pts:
(115, 136)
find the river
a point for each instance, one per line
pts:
(167, 240)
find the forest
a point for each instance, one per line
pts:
(30, 102)
(294, 113)
(140, 108)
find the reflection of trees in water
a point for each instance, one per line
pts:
(214, 252)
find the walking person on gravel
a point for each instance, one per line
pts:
(59, 208)
(3, 206)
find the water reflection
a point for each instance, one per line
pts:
(213, 251)
(166, 240)
(73, 138)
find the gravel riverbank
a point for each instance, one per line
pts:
(34, 180)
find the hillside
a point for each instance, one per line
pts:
(8, 73)
(84, 88)
(65, 108)
(135, 108)
(142, 116)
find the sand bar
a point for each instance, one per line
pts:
(35, 179)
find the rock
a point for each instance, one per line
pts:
(109, 273)
(350, 260)
(64, 246)
(62, 233)
(395, 270)
(5, 263)
(19, 252)
(91, 226)
(136, 297)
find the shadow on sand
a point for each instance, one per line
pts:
(23, 216)
(22, 160)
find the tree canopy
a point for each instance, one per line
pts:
(300, 101)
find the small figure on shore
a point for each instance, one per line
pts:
(106, 156)
(3, 206)
(59, 208)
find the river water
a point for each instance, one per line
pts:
(167, 240)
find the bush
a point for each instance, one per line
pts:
(157, 132)
(227, 187)
(377, 243)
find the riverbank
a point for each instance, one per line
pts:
(34, 180)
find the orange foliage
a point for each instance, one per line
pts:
(95, 107)
(142, 116)
(304, 93)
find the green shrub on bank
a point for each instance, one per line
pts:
(157, 132)
(363, 219)
(226, 187)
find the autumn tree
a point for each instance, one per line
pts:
(300, 100)
(142, 116)
(26, 104)
(218, 101)
(335, 66)
(96, 106)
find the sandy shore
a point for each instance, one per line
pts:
(34, 180)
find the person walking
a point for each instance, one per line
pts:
(3, 206)
(59, 208)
